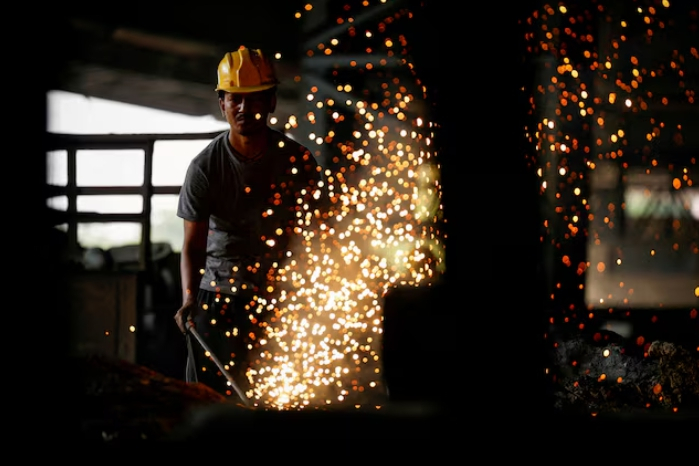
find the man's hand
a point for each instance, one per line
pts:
(186, 312)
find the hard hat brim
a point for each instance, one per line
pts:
(242, 90)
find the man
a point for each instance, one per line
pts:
(242, 201)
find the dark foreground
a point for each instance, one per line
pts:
(124, 404)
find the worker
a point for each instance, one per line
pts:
(244, 199)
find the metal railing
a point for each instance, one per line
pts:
(72, 143)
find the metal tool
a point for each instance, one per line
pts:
(190, 328)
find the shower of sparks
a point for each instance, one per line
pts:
(609, 101)
(320, 326)
(613, 106)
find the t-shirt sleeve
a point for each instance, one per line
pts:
(193, 202)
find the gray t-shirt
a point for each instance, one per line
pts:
(245, 203)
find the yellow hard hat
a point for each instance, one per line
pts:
(246, 70)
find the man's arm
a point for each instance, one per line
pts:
(192, 260)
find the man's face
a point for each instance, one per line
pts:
(247, 113)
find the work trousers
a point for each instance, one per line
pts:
(224, 323)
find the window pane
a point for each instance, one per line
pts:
(58, 203)
(110, 167)
(111, 204)
(644, 257)
(170, 160)
(57, 168)
(166, 226)
(692, 196)
(642, 202)
(108, 235)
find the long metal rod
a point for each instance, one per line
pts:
(193, 331)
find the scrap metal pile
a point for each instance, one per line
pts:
(607, 374)
(124, 401)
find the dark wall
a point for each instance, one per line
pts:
(483, 322)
